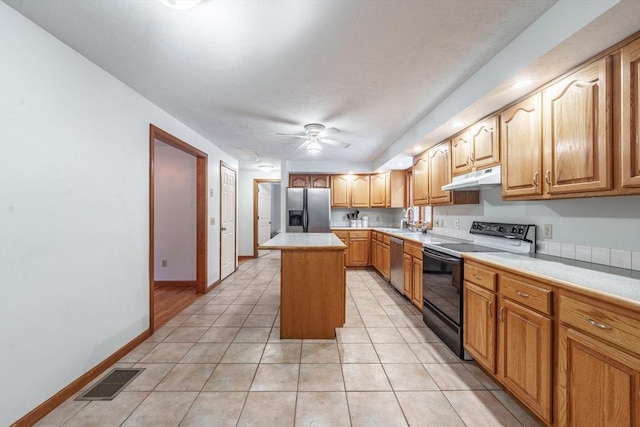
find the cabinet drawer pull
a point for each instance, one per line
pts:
(522, 294)
(478, 276)
(599, 325)
(535, 179)
(547, 177)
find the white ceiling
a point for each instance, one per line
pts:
(389, 74)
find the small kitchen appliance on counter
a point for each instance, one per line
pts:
(443, 274)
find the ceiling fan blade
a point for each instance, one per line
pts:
(334, 142)
(295, 135)
(303, 145)
(328, 131)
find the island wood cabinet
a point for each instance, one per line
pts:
(476, 147)
(412, 268)
(598, 363)
(350, 191)
(571, 123)
(630, 117)
(309, 181)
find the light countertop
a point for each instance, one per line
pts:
(301, 241)
(623, 289)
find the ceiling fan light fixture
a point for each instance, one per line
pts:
(180, 4)
(265, 167)
(314, 148)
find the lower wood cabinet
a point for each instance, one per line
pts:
(571, 358)
(412, 268)
(598, 364)
(358, 247)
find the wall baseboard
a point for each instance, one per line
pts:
(242, 258)
(175, 283)
(54, 401)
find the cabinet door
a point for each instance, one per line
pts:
(378, 190)
(439, 174)
(407, 268)
(360, 191)
(373, 246)
(340, 193)
(298, 181)
(630, 126)
(386, 261)
(525, 356)
(421, 180)
(416, 269)
(598, 384)
(358, 251)
(461, 154)
(521, 145)
(577, 131)
(319, 181)
(485, 145)
(480, 325)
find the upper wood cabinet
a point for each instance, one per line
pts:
(378, 190)
(309, 181)
(439, 174)
(521, 140)
(360, 191)
(421, 180)
(340, 191)
(630, 116)
(578, 131)
(476, 147)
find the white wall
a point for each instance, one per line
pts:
(245, 207)
(174, 213)
(599, 222)
(74, 209)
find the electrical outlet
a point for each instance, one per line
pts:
(164, 262)
(211, 192)
(457, 224)
(547, 231)
(213, 221)
(437, 223)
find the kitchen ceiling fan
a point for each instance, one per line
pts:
(315, 134)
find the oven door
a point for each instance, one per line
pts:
(442, 284)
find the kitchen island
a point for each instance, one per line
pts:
(312, 284)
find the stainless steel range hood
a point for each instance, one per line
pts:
(476, 180)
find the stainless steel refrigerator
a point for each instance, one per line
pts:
(308, 210)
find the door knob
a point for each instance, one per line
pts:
(223, 229)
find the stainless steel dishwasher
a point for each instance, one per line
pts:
(396, 251)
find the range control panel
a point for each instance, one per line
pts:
(524, 232)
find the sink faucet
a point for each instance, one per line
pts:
(409, 221)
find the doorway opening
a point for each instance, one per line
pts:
(177, 231)
(266, 212)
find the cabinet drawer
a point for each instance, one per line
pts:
(414, 251)
(601, 321)
(361, 233)
(480, 276)
(526, 294)
(342, 235)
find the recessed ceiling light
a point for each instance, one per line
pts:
(265, 167)
(457, 124)
(180, 4)
(522, 83)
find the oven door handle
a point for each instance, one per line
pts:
(438, 256)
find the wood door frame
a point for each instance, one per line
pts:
(235, 217)
(201, 211)
(257, 182)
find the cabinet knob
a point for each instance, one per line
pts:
(477, 276)
(547, 177)
(599, 325)
(535, 179)
(522, 294)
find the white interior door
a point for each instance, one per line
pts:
(264, 215)
(227, 222)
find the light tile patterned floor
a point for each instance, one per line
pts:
(221, 362)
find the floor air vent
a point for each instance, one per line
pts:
(111, 384)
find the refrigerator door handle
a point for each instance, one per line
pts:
(305, 212)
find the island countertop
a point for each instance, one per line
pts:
(302, 241)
